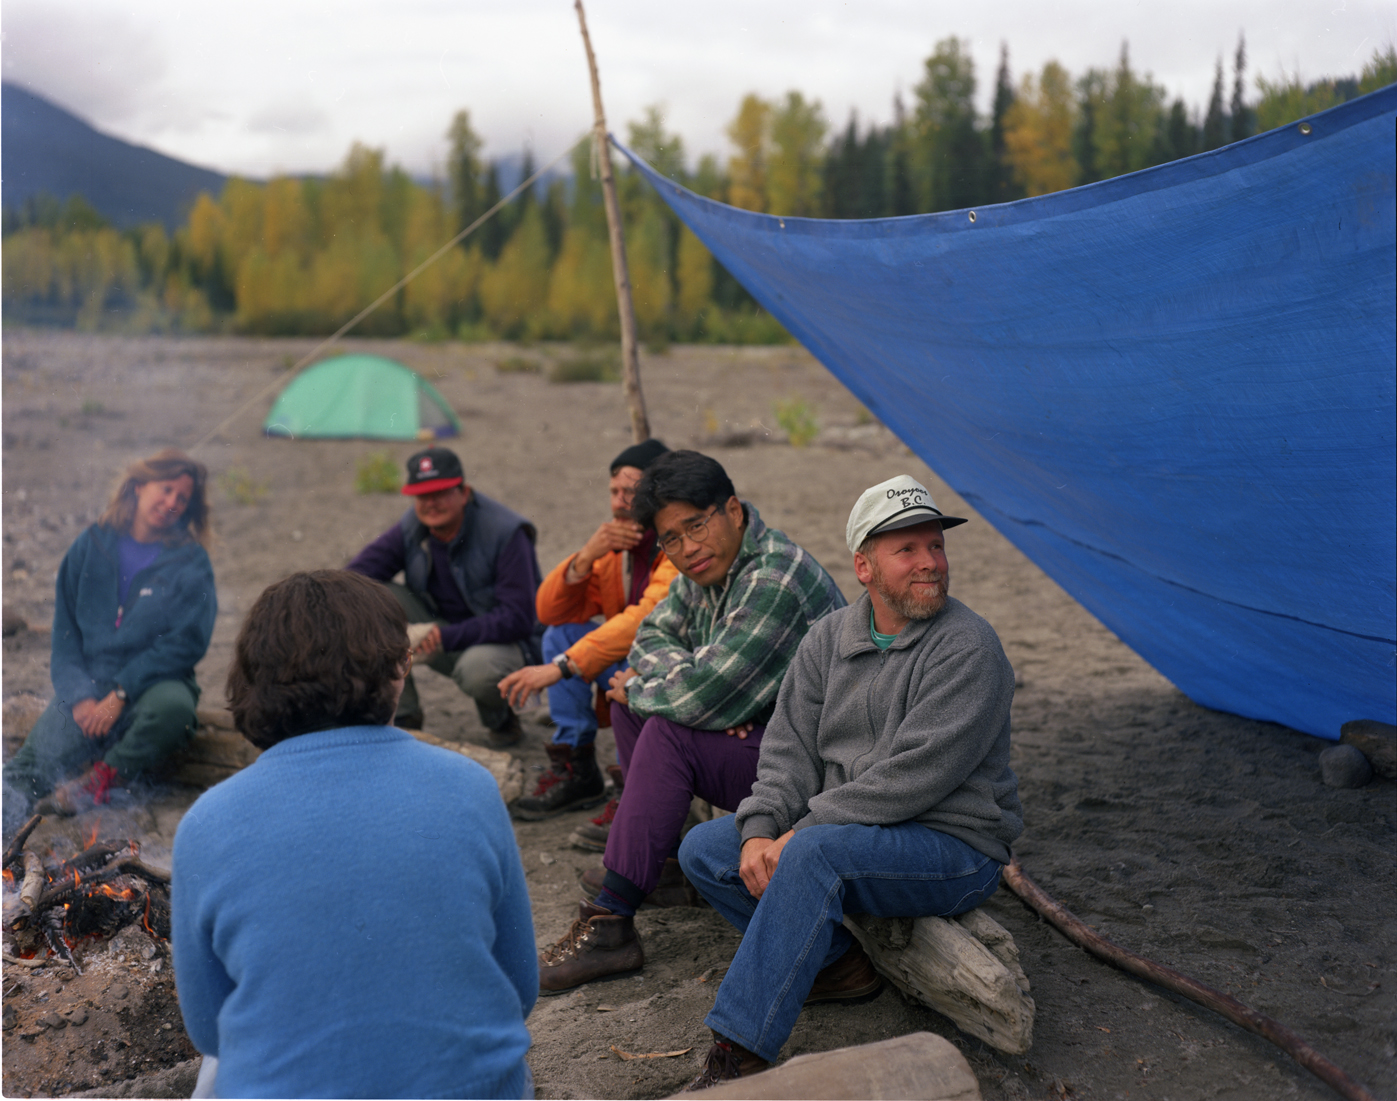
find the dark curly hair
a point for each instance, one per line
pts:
(686, 476)
(318, 650)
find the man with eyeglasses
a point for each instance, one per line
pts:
(618, 574)
(690, 710)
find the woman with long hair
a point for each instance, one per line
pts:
(133, 614)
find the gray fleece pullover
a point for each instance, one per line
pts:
(918, 732)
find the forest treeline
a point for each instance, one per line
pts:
(301, 255)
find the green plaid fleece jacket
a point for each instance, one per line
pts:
(712, 658)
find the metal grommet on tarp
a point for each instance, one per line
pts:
(1305, 128)
(972, 215)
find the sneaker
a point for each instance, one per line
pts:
(597, 945)
(507, 735)
(673, 889)
(726, 1060)
(572, 782)
(847, 979)
(91, 789)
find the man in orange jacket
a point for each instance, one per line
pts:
(620, 574)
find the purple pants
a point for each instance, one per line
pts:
(665, 765)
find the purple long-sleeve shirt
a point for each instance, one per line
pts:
(510, 620)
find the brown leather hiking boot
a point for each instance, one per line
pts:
(598, 944)
(74, 796)
(591, 836)
(673, 889)
(847, 979)
(572, 782)
(726, 1060)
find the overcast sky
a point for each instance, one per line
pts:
(261, 86)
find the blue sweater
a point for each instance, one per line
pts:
(161, 632)
(350, 920)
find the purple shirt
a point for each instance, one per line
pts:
(134, 557)
(510, 620)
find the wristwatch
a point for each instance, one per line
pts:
(561, 661)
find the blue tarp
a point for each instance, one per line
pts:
(1173, 391)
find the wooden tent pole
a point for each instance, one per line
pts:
(630, 355)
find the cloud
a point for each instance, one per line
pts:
(97, 62)
(289, 120)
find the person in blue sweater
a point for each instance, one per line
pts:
(133, 614)
(303, 883)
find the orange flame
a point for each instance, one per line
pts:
(123, 894)
(9, 876)
(145, 919)
(92, 837)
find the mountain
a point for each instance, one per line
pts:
(47, 149)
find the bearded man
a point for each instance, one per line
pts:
(883, 786)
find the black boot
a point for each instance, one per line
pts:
(573, 782)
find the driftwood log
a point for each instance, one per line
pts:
(921, 1065)
(215, 752)
(966, 968)
(1082, 935)
(507, 771)
(32, 888)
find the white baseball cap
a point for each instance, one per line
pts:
(897, 503)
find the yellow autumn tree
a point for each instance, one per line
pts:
(750, 132)
(796, 158)
(694, 278)
(514, 290)
(1038, 129)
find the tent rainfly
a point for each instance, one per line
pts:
(363, 397)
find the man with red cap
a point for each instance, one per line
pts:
(470, 572)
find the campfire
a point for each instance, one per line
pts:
(50, 907)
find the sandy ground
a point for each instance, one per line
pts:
(1205, 841)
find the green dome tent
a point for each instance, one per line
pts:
(366, 397)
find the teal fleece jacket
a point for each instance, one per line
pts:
(918, 732)
(164, 628)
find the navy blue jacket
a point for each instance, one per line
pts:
(165, 625)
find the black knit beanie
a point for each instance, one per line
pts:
(639, 455)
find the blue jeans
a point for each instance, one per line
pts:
(570, 701)
(794, 930)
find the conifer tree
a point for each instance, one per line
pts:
(492, 235)
(464, 172)
(1002, 181)
(948, 157)
(1241, 113)
(1215, 122)
(901, 199)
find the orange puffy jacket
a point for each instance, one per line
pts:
(602, 592)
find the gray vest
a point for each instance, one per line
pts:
(485, 529)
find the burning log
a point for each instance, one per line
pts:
(95, 893)
(17, 845)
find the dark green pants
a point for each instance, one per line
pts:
(152, 727)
